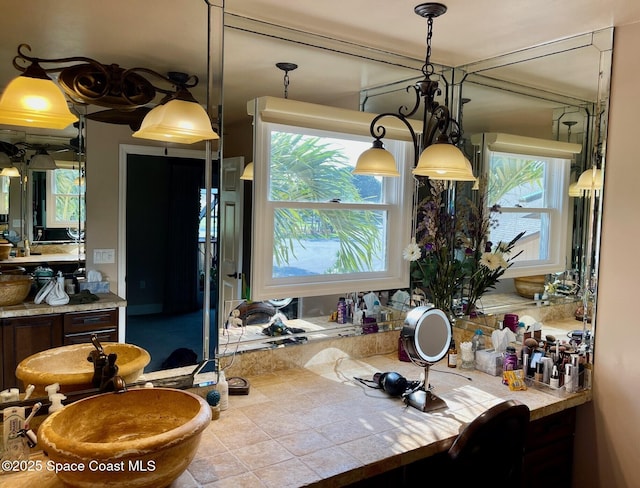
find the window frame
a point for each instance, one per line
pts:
(398, 195)
(556, 183)
(50, 214)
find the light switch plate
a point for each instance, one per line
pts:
(104, 256)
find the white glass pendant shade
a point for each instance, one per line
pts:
(35, 102)
(247, 174)
(444, 161)
(12, 172)
(574, 191)
(177, 121)
(376, 161)
(590, 179)
(42, 161)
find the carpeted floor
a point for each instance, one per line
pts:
(162, 334)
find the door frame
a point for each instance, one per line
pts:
(124, 151)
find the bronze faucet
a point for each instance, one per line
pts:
(105, 370)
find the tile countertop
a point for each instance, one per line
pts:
(316, 426)
(28, 308)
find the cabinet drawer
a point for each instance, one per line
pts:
(104, 335)
(94, 320)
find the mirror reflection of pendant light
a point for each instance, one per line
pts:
(590, 180)
(181, 120)
(42, 161)
(247, 174)
(34, 100)
(440, 158)
(11, 172)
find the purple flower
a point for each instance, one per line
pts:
(487, 246)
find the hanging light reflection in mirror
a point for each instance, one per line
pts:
(247, 174)
(42, 161)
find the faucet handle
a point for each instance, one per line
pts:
(96, 343)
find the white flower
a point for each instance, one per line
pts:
(412, 251)
(491, 261)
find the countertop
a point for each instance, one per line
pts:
(28, 308)
(316, 426)
(52, 258)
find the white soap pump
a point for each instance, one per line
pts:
(56, 402)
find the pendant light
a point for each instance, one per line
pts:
(440, 158)
(247, 174)
(34, 100)
(42, 161)
(181, 120)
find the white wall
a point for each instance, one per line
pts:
(607, 448)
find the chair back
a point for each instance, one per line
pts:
(492, 446)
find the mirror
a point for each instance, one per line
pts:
(555, 92)
(44, 205)
(246, 38)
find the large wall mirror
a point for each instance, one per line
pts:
(532, 95)
(555, 92)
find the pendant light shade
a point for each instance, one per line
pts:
(180, 121)
(590, 179)
(444, 161)
(574, 191)
(12, 172)
(376, 161)
(42, 161)
(247, 174)
(34, 100)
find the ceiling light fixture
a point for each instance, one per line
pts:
(247, 174)
(178, 118)
(33, 99)
(435, 151)
(42, 161)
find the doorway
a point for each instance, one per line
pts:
(164, 256)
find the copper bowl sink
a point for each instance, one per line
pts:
(140, 438)
(68, 366)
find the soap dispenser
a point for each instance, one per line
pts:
(56, 402)
(223, 388)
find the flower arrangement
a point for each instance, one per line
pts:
(450, 255)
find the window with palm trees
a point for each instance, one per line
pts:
(322, 224)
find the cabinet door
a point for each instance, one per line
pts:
(24, 336)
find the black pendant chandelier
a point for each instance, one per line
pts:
(435, 151)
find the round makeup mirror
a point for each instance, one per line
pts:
(425, 336)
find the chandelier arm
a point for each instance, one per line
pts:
(437, 124)
(379, 131)
(180, 81)
(31, 59)
(403, 111)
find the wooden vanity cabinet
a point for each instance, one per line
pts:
(23, 336)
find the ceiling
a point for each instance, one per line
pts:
(172, 36)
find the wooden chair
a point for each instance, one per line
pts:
(492, 446)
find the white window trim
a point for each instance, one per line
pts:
(263, 286)
(50, 198)
(556, 188)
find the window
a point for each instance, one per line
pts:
(317, 228)
(65, 198)
(532, 194)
